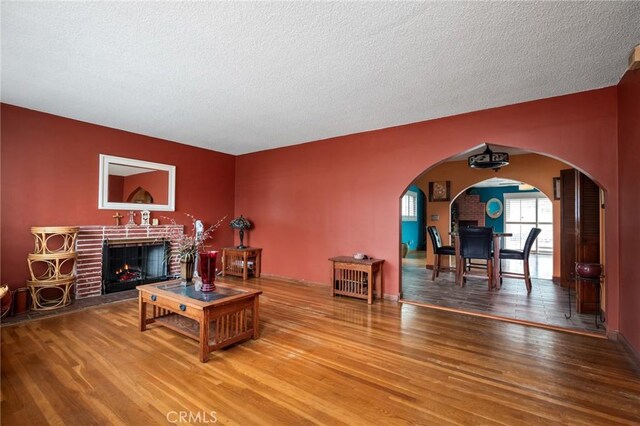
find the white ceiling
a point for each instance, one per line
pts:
(493, 182)
(240, 77)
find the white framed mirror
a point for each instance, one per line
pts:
(128, 184)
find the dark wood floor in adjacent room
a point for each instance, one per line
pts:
(319, 360)
(546, 305)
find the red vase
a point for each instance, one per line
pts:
(208, 270)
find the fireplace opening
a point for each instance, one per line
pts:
(467, 223)
(129, 263)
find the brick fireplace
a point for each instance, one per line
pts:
(470, 210)
(91, 243)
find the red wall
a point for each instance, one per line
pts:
(50, 168)
(116, 189)
(307, 202)
(155, 183)
(629, 175)
(340, 196)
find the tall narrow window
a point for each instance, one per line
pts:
(410, 206)
(526, 211)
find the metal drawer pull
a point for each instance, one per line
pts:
(154, 297)
(183, 307)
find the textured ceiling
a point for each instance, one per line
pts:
(494, 182)
(239, 77)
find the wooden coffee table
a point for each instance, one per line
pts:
(215, 319)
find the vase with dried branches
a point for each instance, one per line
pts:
(188, 245)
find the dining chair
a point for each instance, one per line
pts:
(476, 243)
(523, 255)
(470, 264)
(439, 250)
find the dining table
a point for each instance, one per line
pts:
(497, 240)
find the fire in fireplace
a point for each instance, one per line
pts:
(127, 273)
(128, 263)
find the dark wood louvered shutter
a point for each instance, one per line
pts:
(589, 221)
(568, 230)
(580, 232)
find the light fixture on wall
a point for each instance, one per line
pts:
(489, 160)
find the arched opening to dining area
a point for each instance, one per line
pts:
(523, 196)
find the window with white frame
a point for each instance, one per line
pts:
(410, 206)
(526, 211)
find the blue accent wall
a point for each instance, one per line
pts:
(413, 232)
(496, 192)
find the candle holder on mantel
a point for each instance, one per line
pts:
(241, 223)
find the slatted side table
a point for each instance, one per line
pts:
(243, 263)
(356, 278)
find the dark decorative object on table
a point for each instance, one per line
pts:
(241, 223)
(588, 270)
(186, 269)
(208, 270)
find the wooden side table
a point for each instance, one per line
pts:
(241, 262)
(356, 278)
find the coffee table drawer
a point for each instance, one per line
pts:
(183, 309)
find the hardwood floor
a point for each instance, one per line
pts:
(319, 360)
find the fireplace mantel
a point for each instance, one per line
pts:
(89, 249)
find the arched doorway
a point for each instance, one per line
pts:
(527, 185)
